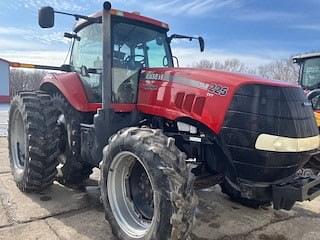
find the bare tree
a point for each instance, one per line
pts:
(284, 70)
(24, 80)
(204, 63)
(231, 65)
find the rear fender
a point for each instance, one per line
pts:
(71, 87)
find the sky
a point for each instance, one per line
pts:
(254, 31)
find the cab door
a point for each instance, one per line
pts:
(128, 60)
(86, 60)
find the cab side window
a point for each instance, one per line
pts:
(86, 59)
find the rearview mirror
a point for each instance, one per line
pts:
(201, 42)
(178, 36)
(46, 17)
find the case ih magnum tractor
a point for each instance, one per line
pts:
(309, 79)
(153, 128)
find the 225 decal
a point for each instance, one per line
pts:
(217, 90)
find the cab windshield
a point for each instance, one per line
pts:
(141, 46)
(311, 73)
(136, 46)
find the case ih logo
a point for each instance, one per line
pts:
(154, 76)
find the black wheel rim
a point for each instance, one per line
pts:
(141, 191)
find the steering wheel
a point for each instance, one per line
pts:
(132, 58)
(313, 97)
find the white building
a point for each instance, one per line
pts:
(4, 81)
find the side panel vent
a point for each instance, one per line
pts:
(198, 105)
(179, 99)
(187, 105)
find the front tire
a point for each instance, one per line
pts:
(146, 186)
(234, 193)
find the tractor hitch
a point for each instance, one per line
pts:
(300, 188)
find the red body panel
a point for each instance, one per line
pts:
(70, 85)
(140, 18)
(170, 93)
(159, 96)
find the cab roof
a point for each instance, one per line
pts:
(304, 56)
(133, 16)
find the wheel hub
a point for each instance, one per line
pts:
(130, 194)
(141, 191)
(18, 141)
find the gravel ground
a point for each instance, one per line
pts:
(3, 123)
(65, 214)
(3, 119)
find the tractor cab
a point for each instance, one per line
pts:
(309, 78)
(136, 44)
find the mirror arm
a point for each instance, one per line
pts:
(178, 36)
(77, 16)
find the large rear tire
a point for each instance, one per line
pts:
(146, 186)
(72, 169)
(32, 141)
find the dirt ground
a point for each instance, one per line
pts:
(63, 213)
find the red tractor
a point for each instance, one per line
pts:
(151, 127)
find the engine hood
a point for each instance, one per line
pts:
(203, 95)
(208, 77)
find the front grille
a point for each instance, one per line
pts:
(258, 109)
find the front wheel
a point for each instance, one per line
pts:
(146, 186)
(233, 191)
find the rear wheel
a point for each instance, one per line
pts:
(72, 169)
(32, 142)
(146, 186)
